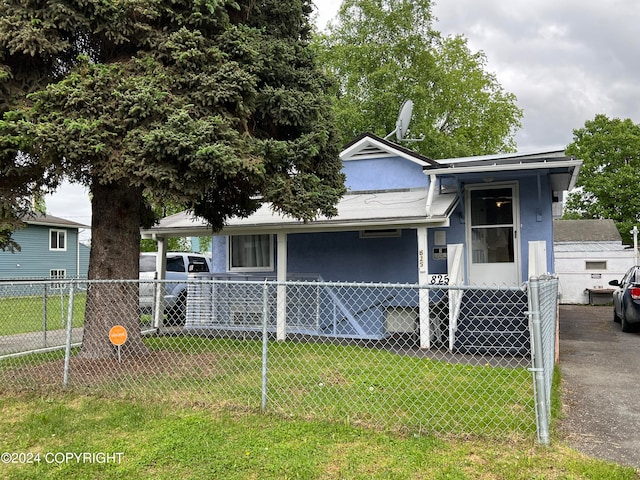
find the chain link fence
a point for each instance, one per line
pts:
(543, 310)
(436, 359)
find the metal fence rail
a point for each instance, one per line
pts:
(336, 351)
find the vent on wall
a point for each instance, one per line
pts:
(384, 233)
(370, 151)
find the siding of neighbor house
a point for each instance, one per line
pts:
(36, 260)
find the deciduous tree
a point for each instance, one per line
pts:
(608, 181)
(384, 51)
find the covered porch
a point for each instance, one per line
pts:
(376, 236)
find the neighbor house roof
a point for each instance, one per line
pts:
(572, 231)
(51, 221)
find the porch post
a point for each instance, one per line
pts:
(158, 287)
(423, 279)
(281, 303)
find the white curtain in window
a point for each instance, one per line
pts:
(250, 251)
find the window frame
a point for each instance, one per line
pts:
(58, 232)
(57, 274)
(262, 268)
(595, 265)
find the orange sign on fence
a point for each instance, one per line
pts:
(118, 335)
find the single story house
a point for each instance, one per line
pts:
(588, 254)
(50, 248)
(406, 219)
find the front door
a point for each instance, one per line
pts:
(492, 232)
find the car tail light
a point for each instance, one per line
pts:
(635, 292)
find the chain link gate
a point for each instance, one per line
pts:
(311, 349)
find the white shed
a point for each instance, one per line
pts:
(588, 253)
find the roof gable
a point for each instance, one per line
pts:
(368, 146)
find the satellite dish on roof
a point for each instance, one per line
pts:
(404, 117)
(402, 123)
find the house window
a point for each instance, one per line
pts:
(596, 264)
(57, 240)
(57, 274)
(251, 253)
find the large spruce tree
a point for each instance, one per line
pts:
(215, 105)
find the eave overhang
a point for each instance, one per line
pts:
(369, 210)
(552, 162)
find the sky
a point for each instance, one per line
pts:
(565, 60)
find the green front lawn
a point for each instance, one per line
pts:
(27, 314)
(70, 436)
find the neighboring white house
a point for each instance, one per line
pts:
(588, 254)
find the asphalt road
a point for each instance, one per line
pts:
(600, 368)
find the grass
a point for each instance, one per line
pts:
(26, 314)
(333, 412)
(364, 386)
(368, 386)
(157, 440)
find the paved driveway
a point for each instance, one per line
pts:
(601, 378)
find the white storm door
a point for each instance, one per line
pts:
(492, 235)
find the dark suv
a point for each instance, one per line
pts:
(626, 300)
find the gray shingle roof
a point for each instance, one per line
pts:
(50, 220)
(585, 231)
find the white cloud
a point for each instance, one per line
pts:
(70, 201)
(565, 61)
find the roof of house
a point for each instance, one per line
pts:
(362, 210)
(564, 168)
(385, 209)
(572, 231)
(51, 221)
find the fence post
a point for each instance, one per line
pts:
(539, 387)
(265, 340)
(44, 316)
(67, 350)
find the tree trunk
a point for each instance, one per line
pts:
(115, 249)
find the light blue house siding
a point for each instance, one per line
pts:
(361, 256)
(346, 256)
(37, 260)
(383, 174)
